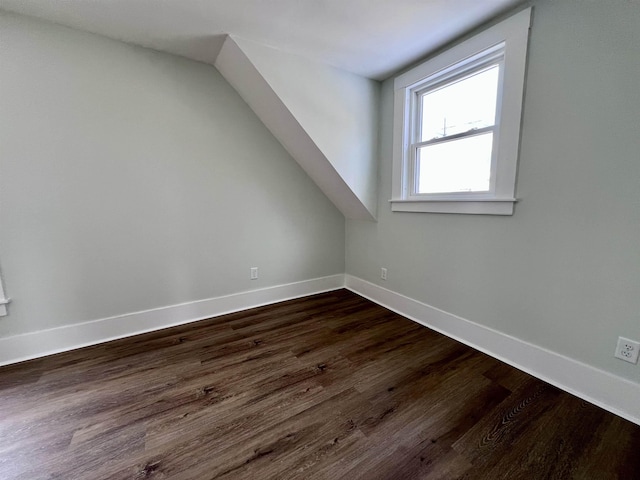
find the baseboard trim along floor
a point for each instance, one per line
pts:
(32, 345)
(608, 391)
(613, 393)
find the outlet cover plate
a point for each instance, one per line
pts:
(627, 350)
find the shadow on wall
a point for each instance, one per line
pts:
(203, 48)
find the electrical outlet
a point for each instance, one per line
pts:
(254, 273)
(627, 350)
(383, 273)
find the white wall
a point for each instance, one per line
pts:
(564, 272)
(131, 179)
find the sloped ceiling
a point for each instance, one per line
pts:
(326, 118)
(371, 38)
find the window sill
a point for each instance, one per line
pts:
(493, 206)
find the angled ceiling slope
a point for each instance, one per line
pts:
(326, 118)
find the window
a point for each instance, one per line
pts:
(457, 125)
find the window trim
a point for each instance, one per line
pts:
(506, 41)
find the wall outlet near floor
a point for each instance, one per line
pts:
(627, 350)
(254, 273)
(383, 273)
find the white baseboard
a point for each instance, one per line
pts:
(31, 345)
(613, 393)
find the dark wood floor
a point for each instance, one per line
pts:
(326, 387)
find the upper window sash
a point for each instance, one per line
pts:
(426, 87)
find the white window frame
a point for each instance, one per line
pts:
(504, 43)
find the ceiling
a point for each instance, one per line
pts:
(372, 38)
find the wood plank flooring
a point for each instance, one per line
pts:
(326, 387)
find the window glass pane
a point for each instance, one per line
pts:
(461, 106)
(462, 165)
